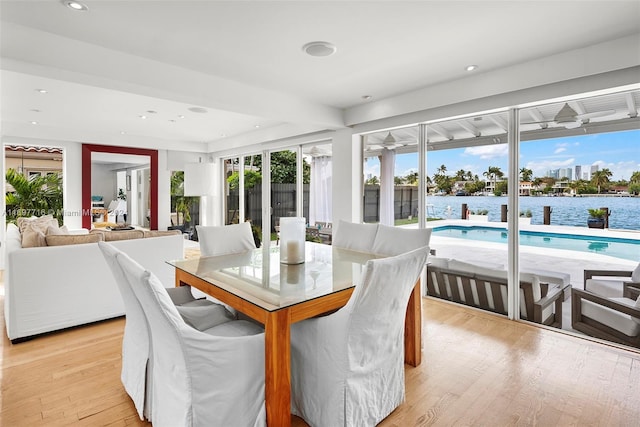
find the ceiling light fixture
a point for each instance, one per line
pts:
(366, 97)
(198, 110)
(34, 123)
(142, 117)
(181, 116)
(257, 126)
(319, 48)
(74, 5)
(41, 90)
(471, 67)
(35, 110)
(152, 112)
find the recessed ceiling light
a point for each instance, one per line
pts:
(35, 110)
(181, 116)
(471, 67)
(34, 123)
(366, 97)
(152, 112)
(74, 5)
(142, 117)
(122, 132)
(223, 135)
(172, 121)
(319, 48)
(197, 110)
(41, 90)
(257, 126)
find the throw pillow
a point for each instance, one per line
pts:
(57, 231)
(33, 238)
(38, 223)
(73, 239)
(205, 317)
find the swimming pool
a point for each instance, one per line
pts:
(612, 246)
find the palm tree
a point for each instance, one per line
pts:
(601, 178)
(461, 174)
(37, 195)
(635, 178)
(412, 178)
(493, 172)
(526, 174)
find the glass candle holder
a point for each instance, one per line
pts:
(292, 236)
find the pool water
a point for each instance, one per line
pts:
(612, 246)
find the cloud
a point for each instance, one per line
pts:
(620, 170)
(487, 152)
(559, 150)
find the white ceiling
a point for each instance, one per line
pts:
(242, 61)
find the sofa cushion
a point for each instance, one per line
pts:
(112, 236)
(635, 275)
(33, 238)
(612, 318)
(73, 239)
(159, 233)
(610, 287)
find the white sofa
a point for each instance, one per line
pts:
(54, 287)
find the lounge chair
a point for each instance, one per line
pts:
(609, 283)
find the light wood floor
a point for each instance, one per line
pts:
(477, 369)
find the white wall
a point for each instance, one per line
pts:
(103, 182)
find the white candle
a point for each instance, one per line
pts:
(294, 254)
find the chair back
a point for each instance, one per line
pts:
(135, 341)
(225, 239)
(354, 236)
(390, 241)
(378, 306)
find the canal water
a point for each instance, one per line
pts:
(569, 211)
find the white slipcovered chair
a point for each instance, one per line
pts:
(116, 211)
(225, 239)
(354, 236)
(347, 368)
(391, 241)
(199, 378)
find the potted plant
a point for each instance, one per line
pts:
(479, 215)
(596, 218)
(525, 217)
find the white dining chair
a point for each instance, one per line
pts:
(225, 239)
(347, 368)
(391, 241)
(354, 236)
(137, 364)
(199, 378)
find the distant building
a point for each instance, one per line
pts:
(553, 173)
(565, 173)
(584, 172)
(594, 169)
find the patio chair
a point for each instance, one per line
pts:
(609, 283)
(614, 319)
(199, 378)
(347, 368)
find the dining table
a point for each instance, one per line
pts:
(277, 295)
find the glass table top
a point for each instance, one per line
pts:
(258, 276)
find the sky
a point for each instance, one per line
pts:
(619, 152)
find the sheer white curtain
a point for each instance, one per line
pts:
(320, 190)
(387, 167)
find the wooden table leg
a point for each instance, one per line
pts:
(278, 368)
(413, 328)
